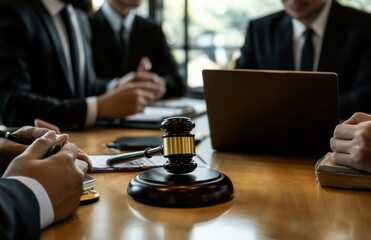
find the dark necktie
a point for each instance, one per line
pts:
(73, 47)
(123, 48)
(307, 55)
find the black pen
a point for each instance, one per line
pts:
(20, 140)
(15, 138)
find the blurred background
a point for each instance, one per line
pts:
(209, 33)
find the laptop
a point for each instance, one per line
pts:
(271, 112)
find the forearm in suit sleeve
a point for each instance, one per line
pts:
(22, 108)
(19, 211)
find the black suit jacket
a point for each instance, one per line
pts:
(146, 39)
(33, 69)
(346, 50)
(19, 211)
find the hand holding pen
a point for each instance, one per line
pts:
(15, 143)
(81, 155)
(27, 135)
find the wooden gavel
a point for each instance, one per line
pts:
(178, 147)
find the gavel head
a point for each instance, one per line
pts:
(178, 145)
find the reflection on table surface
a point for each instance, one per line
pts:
(276, 197)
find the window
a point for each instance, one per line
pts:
(209, 33)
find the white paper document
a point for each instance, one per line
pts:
(100, 165)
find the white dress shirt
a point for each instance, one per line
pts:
(319, 27)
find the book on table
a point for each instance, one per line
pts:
(329, 174)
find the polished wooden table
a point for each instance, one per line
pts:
(276, 197)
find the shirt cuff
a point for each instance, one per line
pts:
(91, 116)
(45, 205)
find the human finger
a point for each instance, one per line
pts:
(30, 133)
(41, 146)
(357, 118)
(81, 155)
(345, 131)
(81, 166)
(149, 77)
(148, 86)
(127, 78)
(146, 98)
(62, 139)
(341, 158)
(144, 65)
(341, 145)
(43, 124)
(352, 161)
(159, 83)
(144, 91)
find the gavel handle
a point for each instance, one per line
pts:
(127, 157)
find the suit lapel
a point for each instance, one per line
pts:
(111, 38)
(55, 39)
(284, 46)
(86, 40)
(332, 38)
(136, 50)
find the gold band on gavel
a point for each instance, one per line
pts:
(179, 145)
